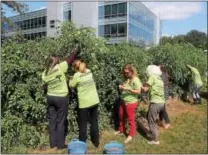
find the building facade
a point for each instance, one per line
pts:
(115, 21)
(33, 24)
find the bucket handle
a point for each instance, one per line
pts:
(113, 142)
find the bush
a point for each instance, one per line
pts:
(23, 103)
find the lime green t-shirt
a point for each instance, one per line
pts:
(56, 80)
(196, 76)
(127, 96)
(156, 89)
(86, 88)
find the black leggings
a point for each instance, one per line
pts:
(90, 114)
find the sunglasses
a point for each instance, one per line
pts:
(126, 73)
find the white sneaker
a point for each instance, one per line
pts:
(128, 139)
(153, 142)
(118, 133)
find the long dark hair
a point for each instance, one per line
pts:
(51, 62)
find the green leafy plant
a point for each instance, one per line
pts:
(24, 116)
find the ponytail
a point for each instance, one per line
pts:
(50, 63)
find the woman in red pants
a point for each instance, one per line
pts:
(130, 90)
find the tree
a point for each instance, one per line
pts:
(14, 6)
(165, 40)
(196, 38)
(179, 39)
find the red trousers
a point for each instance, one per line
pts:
(127, 111)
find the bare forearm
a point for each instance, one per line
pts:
(135, 91)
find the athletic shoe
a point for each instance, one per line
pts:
(118, 133)
(128, 139)
(153, 142)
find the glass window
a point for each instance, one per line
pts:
(113, 30)
(66, 15)
(69, 17)
(52, 26)
(131, 33)
(32, 23)
(44, 21)
(114, 10)
(101, 31)
(39, 22)
(30, 20)
(107, 31)
(141, 17)
(24, 25)
(107, 11)
(122, 9)
(122, 29)
(52, 21)
(101, 11)
(36, 22)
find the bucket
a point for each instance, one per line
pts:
(76, 147)
(113, 148)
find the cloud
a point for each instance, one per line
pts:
(174, 10)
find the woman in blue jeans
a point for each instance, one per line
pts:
(196, 84)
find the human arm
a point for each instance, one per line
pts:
(65, 64)
(136, 89)
(73, 81)
(73, 55)
(146, 86)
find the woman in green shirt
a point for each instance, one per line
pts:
(57, 97)
(196, 84)
(88, 101)
(157, 99)
(130, 89)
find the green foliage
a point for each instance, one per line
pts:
(24, 119)
(196, 38)
(176, 57)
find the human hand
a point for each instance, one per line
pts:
(121, 87)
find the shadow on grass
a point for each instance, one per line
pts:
(142, 127)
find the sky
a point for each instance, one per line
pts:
(177, 17)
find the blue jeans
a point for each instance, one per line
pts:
(195, 91)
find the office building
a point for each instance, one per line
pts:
(115, 21)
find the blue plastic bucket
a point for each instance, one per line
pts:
(77, 147)
(113, 148)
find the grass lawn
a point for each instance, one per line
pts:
(187, 135)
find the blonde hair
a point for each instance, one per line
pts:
(79, 66)
(130, 68)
